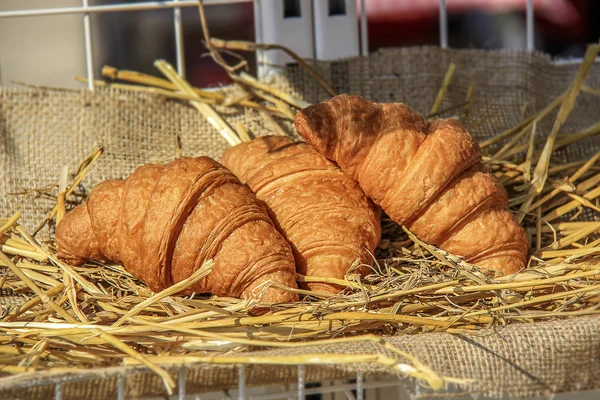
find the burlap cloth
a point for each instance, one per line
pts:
(41, 130)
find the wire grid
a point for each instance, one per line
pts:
(177, 5)
(351, 391)
(302, 391)
(243, 393)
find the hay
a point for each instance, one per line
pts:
(105, 317)
(98, 315)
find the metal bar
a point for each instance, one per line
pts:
(326, 389)
(364, 34)
(89, 53)
(258, 38)
(571, 61)
(120, 387)
(181, 383)
(301, 383)
(530, 26)
(58, 392)
(150, 5)
(179, 40)
(360, 383)
(242, 383)
(443, 25)
(417, 392)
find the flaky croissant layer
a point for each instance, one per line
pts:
(428, 177)
(323, 213)
(165, 221)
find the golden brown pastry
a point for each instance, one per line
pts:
(165, 221)
(428, 177)
(323, 213)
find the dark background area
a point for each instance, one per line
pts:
(133, 40)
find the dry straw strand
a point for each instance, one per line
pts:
(442, 92)
(98, 315)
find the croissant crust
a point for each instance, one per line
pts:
(165, 221)
(427, 176)
(323, 213)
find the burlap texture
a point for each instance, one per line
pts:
(41, 130)
(519, 360)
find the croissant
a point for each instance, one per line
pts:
(165, 221)
(324, 214)
(428, 177)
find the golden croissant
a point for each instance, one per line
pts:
(323, 213)
(428, 177)
(165, 221)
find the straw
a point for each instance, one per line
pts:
(540, 173)
(198, 275)
(98, 315)
(43, 297)
(239, 45)
(465, 114)
(209, 113)
(83, 169)
(443, 89)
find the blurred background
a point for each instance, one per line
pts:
(50, 50)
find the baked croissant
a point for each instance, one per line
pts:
(428, 177)
(324, 214)
(165, 221)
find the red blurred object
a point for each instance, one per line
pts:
(559, 12)
(208, 74)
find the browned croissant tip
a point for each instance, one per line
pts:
(312, 124)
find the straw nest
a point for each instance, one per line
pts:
(99, 315)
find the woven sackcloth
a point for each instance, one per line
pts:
(42, 130)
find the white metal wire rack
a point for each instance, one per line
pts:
(176, 5)
(352, 391)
